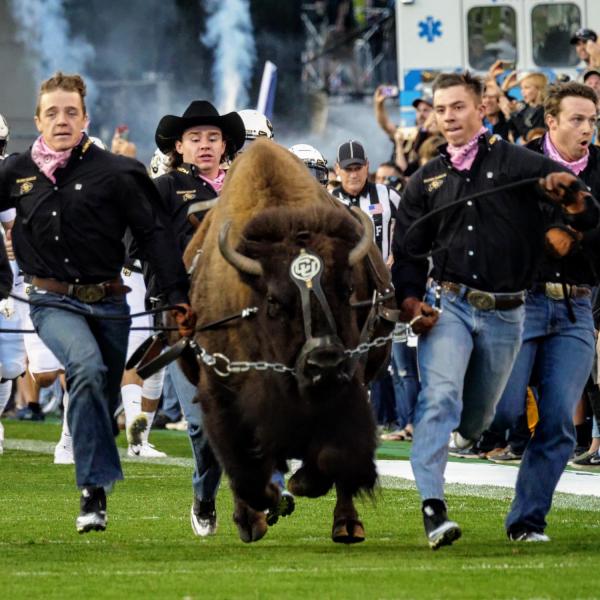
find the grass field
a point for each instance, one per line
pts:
(149, 551)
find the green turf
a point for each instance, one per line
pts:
(148, 550)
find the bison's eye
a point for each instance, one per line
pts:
(273, 306)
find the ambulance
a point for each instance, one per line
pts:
(451, 35)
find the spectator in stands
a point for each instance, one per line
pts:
(389, 173)
(405, 147)
(588, 50)
(531, 116)
(591, 78)
(494, 119)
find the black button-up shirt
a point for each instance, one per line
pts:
(73, 230)
(179, 190)
(581, 265)
(495, 243)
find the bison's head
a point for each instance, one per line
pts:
(301, 266)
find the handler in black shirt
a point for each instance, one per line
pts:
(494, 246)
(196, 143)
(558, 339)
(74, 202)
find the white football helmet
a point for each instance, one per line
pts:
(4, 135)
(159, 165)
(256, 124)
(314, 160)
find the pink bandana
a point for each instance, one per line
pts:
(49, 160)
(551, 151)
(462, 157)
(217, 182)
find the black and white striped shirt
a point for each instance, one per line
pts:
(380, 203)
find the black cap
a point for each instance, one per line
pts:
(590, 72)
(351, 153)
(583, 35)
(425, 99)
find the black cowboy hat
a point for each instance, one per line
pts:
(199, 112)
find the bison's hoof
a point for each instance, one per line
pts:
(252, 526)
(348, 531)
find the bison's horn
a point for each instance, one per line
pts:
(362, 247)
(235, 258)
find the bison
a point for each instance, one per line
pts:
(277, 241)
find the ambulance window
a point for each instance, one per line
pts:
(492, 34)
(551, 28)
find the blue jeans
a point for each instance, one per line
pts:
(207, 472)
(561, 354)
(464, 363)
(406, 381)
(93, 353)
(382, 400)
(170, 403)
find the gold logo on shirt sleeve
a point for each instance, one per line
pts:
(26, 187)
(434, 183)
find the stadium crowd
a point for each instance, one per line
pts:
(519, 267)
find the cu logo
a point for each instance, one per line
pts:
(305, 267)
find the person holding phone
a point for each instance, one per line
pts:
(405, 150)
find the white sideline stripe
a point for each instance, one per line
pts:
(472, 479)
(48, 448)
(485, 474)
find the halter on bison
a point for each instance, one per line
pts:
(277, 241)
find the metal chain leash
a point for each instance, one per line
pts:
(366, 346)
(228, 366)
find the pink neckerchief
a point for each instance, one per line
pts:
(49, 160)
(217, 182)
(462, 157)
(576, 166)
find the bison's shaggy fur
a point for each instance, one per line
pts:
(256, 420)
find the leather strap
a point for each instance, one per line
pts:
(147, 351)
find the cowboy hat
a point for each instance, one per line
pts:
(199, 112)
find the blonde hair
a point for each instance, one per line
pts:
(61, 81)
(538, 80)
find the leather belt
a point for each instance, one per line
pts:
(484, 300)
(555, 291)
(88, 293)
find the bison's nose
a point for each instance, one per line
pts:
(326, 359)
(322, 361)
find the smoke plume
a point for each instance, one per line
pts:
(43, 28)
(229, 34)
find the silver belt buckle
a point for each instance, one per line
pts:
(90, 294)
(554, 291)
(481, 300)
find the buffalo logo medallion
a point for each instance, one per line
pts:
(305, 266)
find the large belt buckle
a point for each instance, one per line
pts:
(90, 293)
(554, 291)
(481, 300)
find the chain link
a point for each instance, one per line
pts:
(366, 346)
(224, 367)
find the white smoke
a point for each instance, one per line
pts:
(230, 35)
(43, 28)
